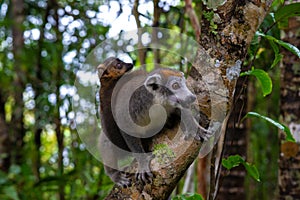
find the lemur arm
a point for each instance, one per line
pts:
(136, 147)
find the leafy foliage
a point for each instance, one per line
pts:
(236, 160)
(284, 13)
(263, 77)
(286, 45)
(264, 54)
(289, 136)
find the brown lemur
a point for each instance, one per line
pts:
(109, 72)
(134, 107)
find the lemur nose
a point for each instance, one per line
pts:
(129, 66)
(191, 98)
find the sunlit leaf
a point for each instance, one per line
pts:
(289, 136)
(289, 47)
(264, 79)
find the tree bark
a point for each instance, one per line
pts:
(16, 129)
(237, 23)
(289, 156)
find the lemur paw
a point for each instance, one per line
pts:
(125, 180)
(144, 177)
(200, 135)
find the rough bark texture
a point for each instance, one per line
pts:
(289, 157)
(237, 23)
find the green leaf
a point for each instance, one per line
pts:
(278, 56)
(232, 161)
(285, 12)
(264, 79)
(236, 160)
(286, 45)
(289, 47)
(277, 3)
(289, 136)
(274, 47)
(277, 59)
(252, 171)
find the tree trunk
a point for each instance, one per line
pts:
(227, 46)
(4, 139)
(57, 77)
(289, 157)
(232, 184)
(17, 130)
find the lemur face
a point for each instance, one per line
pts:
(169, 88)
(180, 94)
(114, 68)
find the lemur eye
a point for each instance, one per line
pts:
(119, 66)
(175, 86)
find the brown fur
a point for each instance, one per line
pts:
(167, 72)
(109, 73)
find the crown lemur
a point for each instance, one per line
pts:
(135, 106)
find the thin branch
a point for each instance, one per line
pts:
(188, 182)
(141, 49)
(156, 16)
(194, 19)
(212, 173)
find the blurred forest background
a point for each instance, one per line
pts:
(44, 43)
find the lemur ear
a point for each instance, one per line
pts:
(153, 82)
(100, 69)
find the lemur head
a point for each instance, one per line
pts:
(169, 88)
(113, 68)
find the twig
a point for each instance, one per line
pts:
(156, 16)
(194, 19)
(188, 182)
(141, 50)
